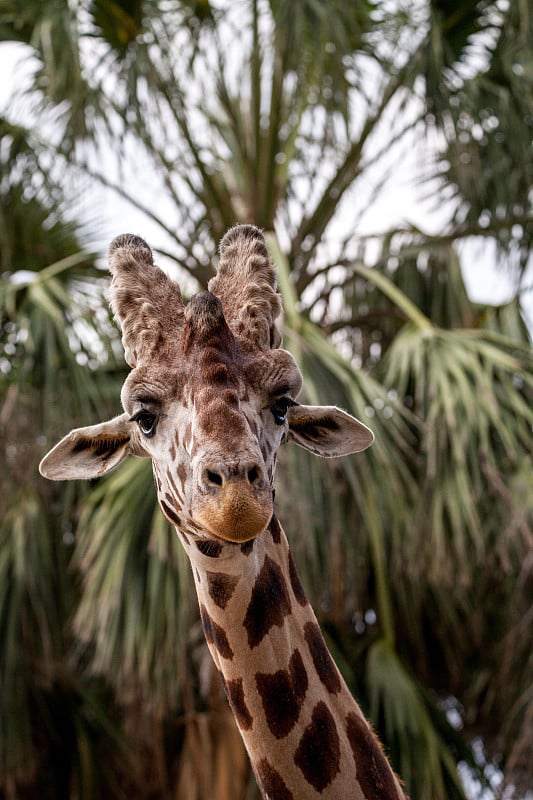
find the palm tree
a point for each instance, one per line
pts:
(55, 726)
(298, 130)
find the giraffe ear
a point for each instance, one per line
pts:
(327, 431)
(87, 453)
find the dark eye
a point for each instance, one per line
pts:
(279, 409)
(147, 422)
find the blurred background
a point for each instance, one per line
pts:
(385, 149)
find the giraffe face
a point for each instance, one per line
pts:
(211, 396)
(212, 424)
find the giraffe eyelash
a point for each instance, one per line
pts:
(147, 422)
(280, 407)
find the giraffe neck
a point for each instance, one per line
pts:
(305, 734)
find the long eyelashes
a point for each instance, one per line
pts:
(147, 422)
(280, 407)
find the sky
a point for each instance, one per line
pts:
(486, 278)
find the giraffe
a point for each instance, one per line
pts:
(210, 399)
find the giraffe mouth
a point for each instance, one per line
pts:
(236, 513)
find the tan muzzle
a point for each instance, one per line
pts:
(236, 512)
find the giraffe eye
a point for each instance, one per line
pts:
(279, 409)
(147, 422)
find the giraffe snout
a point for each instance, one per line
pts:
(234, 499)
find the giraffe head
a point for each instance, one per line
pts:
(211, 395)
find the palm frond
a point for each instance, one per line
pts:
(426, 744)
(134, 609)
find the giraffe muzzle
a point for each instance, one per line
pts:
(234, 503)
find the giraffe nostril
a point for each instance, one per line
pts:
(252, 475)
(214, 478)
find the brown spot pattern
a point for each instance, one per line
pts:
(170, 514)
(235, 694)
(182, 474)
(219, 375)
(275, 530)
(271, 783)
(215, 634)
(318, 753)
(247, 547)
(177, 493)
(282, 694)
(297, 587)
(324, 664)
(373, 771)
(221, 587)
(216, 418)
(269, 604)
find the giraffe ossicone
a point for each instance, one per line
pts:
(210, 399)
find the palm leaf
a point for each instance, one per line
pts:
(134, 608)
(426, 742)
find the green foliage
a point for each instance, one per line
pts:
(55, 719)
(315, 41)
(119, 23)
(138, 595)
(484, 115)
